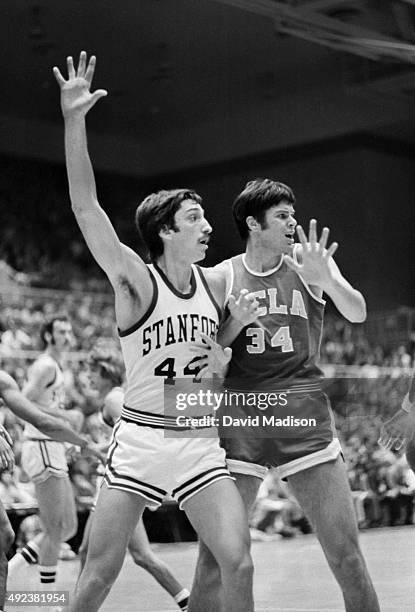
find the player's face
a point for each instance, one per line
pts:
(62, 335)
(194, 231)
(96, 381)
(279, 228)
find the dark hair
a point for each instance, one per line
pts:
(109, 362)
(256, 198)
(47, 328)
(156, 212)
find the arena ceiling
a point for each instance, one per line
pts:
(195, 82)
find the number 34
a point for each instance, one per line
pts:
(281, 338)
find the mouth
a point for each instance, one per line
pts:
(290, 237)
(204, 241)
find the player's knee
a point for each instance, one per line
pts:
(239, 564)
(348, 559)
(142, 559)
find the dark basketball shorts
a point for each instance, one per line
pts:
(291, 437)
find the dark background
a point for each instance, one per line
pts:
(209, 94)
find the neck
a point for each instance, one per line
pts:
(260, 258)
(178, 272)
(54, 353)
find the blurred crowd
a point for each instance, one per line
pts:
(365, 379)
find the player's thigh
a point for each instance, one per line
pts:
(117, 512)
(247, 486)
(323, 492)
(51, 497)
(218, 515)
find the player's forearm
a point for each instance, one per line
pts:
(348, 301)
(228, 331)
(59, 431)
(81, 178)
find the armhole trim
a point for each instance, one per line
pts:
(209, 292)
(133, 328)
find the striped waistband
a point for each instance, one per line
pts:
(159, 421)
(295, 388)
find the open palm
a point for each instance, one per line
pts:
(315, 266)
(76, 97)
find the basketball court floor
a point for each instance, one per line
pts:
(290, 575)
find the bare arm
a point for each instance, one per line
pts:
(22, 407)
(124, 268)
(319, 269)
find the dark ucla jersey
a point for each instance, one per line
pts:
(282, 347)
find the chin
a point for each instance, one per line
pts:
(199, 257)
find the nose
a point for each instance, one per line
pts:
(207, 228)
(292, 222)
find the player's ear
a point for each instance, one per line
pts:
(253, 224)
(165, 232)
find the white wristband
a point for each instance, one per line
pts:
(406, 404)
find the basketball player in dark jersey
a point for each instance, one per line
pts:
(49, 425)
(276, 356)
(159, 309)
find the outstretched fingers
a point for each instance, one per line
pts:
(90, 69)
(302, 237)
(312, 233)
(324, 238)
(71, 68)
(331, 250)
(58, 76)
(81, 64)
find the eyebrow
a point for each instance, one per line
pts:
(193, 209)
(290, 211)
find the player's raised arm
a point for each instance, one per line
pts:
(319, 269)
(101, 238)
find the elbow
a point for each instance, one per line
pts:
(359, 313)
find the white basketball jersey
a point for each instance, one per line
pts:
(158, 346)
(52, 396)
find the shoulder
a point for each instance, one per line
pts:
(216, 279)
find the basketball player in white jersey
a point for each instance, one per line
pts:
(44, 458)
(160, 309)
(106, 374)
(56, 428)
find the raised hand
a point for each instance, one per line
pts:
(315, 268)
(244, 309)
(76, 97)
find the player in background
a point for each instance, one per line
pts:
(44, 458)
(278, 354)
(160, 308)
(56, 428)
(399, 431)
(106, 375)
